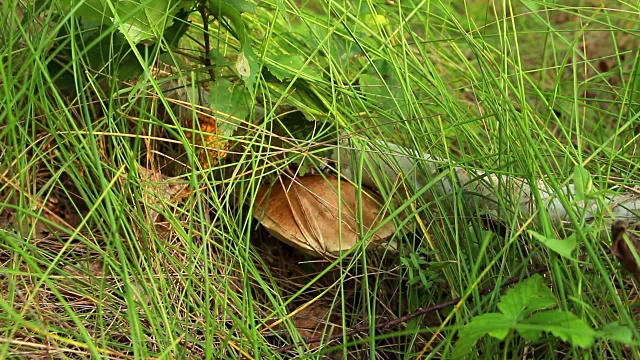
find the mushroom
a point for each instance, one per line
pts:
(304, 213)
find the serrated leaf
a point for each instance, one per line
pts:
(229, 104)
(530, 333)
(563, 248)
(561, 324)
(530, 295)
(497, 325)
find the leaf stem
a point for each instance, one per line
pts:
(207, 40)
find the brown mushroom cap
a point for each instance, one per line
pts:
(304, 213)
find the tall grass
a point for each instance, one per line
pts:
(98, 261)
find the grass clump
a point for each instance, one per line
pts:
(130, 161)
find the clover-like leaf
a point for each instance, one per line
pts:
(526, 297)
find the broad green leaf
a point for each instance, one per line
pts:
(617, 332)
(139, 19)
(229, 104)
(561, 324)
(243, 6)
(218, 58)
(148, 18)
(495, 324)
(288, 65)
(92, 10)
(530, 333)
(583, 182)
(563, 248)
(174, 33)
(530, 295)
(533, 6)
(386, 94)
(304, 99)
(282, 9)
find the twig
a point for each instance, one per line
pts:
(420, 312)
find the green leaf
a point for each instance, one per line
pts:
(562, 247)
(533, 6)
(372, 21)
(218, 58)
(243, 6)
(139, 19)
(247, 64)
(174, 33)
(286, 66)
(386, 94)
(561, 324)
(438, 265)
(92, 10)
(617, 332)
(530, 333)
(497, 325)
(229, 104)
(526, 297)
(583, 182)
(373, 18)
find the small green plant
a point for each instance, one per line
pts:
(527, 309)
(420, 271)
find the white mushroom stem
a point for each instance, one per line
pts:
(384, 165)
